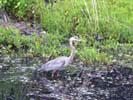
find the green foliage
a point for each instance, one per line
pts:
(62, 17)
(22, 9)
(11, 38)
(44, 45)
(110, 19)
(91, 55)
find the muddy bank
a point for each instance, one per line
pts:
(113, 84)
(86, 83)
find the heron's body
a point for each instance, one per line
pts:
(60, 62)
(55, 64)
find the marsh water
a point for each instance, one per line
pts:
(14, 76)
(18, 81)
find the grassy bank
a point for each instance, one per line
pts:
(105, 25)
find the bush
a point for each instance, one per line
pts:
(21, 9)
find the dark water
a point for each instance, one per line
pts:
(15, 75)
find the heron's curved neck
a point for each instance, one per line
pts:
(72, 51)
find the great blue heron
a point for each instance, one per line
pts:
(60, 62)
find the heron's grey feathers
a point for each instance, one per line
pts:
(55, 64)
(61, 62)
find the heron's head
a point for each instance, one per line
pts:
(75, 38)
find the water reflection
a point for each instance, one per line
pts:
(15, 75)
(16, 82)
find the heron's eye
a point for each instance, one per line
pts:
(76, 37)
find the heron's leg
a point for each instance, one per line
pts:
(53, 73)
(58, 73)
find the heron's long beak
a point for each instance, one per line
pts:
(81, 40)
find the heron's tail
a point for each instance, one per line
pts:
(35, 73)
(41, 69)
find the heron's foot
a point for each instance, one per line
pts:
(55, 74)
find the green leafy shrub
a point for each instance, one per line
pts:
(22, 9)
(91, 55)
(44, 45)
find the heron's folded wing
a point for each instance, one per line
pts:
(53, 65)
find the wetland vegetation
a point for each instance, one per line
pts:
(33, 32)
